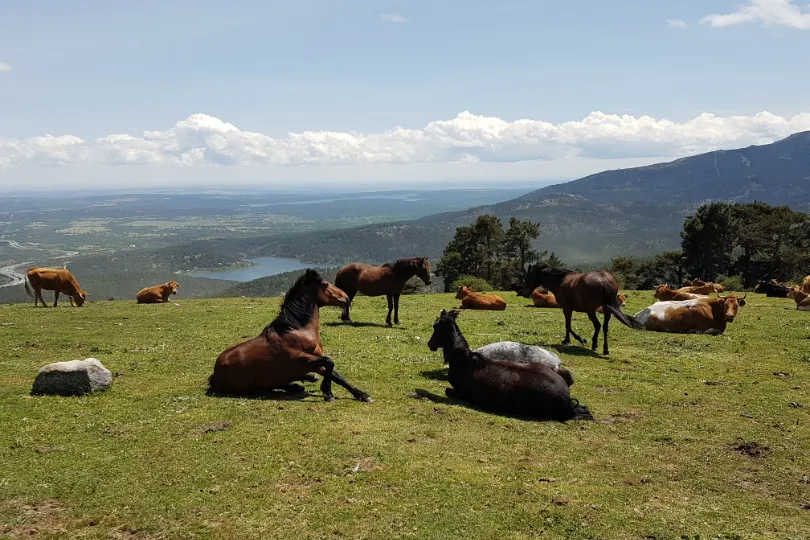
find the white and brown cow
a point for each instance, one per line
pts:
(696, 316)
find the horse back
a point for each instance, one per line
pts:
(367, 279)
(585, 292)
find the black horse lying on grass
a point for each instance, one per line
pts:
(517, 388)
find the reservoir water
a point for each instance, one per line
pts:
(263, 266)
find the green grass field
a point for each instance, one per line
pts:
(694, 435)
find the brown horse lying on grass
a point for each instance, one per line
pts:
(288, 350)
(585, 293)
(527, 388)
(388, 279)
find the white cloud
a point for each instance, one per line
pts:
(677, 23)
(767, 12)
(394, 18)
(4, 67)
(203, 140)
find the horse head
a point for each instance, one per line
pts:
(444, 330)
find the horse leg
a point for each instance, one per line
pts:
(596, 328)
(607, 320)
(356, 392)
(396, 309)
(329, 375)
(569, 330)
(390, 298)
(567, 340)
(345, 317)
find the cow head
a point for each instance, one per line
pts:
(463, 291)
(80, 298)
(731, 304)
(173, 285)
(622, 298)
(660, 291)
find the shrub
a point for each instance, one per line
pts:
(731, 283)
(475, 283)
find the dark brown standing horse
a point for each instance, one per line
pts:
(289, 348)
(388, 279)
(584, 293)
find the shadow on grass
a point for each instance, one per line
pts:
(576, 351)
(295, 392)
(419, 393)
(435, 374)
(362, 325)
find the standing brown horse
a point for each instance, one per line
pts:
(388, 279)
(584, 293)
(289, 348)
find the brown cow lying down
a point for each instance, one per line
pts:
(801, 298)
(622, 298)
(158, 294)
(474, 300)
(545, 300)
(706, 289)
(665, 293)
(698, 316)
(58, 280)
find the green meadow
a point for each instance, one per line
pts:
(695, 436)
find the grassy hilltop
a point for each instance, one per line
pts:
(695, 435)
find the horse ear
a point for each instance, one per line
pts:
(453, 314)
(443, 313)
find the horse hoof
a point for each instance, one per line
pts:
(329, 398)
(365, 398)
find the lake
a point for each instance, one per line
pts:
(264, 266)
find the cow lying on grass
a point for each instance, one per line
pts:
(665, 293)
(520, 388)
(474, 300)
(697, 316)
(801, 298)
(158, 294)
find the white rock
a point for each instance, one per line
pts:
(75, 377)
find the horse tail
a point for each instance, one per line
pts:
(581, 412)
(25, 282)
(611, 305)
(566, 375)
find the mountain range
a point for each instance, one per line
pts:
(638, 211)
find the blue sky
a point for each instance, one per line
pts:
(91, 69)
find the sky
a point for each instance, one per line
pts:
(384, 94)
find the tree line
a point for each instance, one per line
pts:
(734, 244)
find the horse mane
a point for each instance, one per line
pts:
(557, 271)
(399, 265)
(297, 307)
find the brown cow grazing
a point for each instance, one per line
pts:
(697, 316)
(388, 279)
(801, 298)
(580, 292)
(159, 294)
(665, 293)
(474, 300)
(58, 280)
(543, 300)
